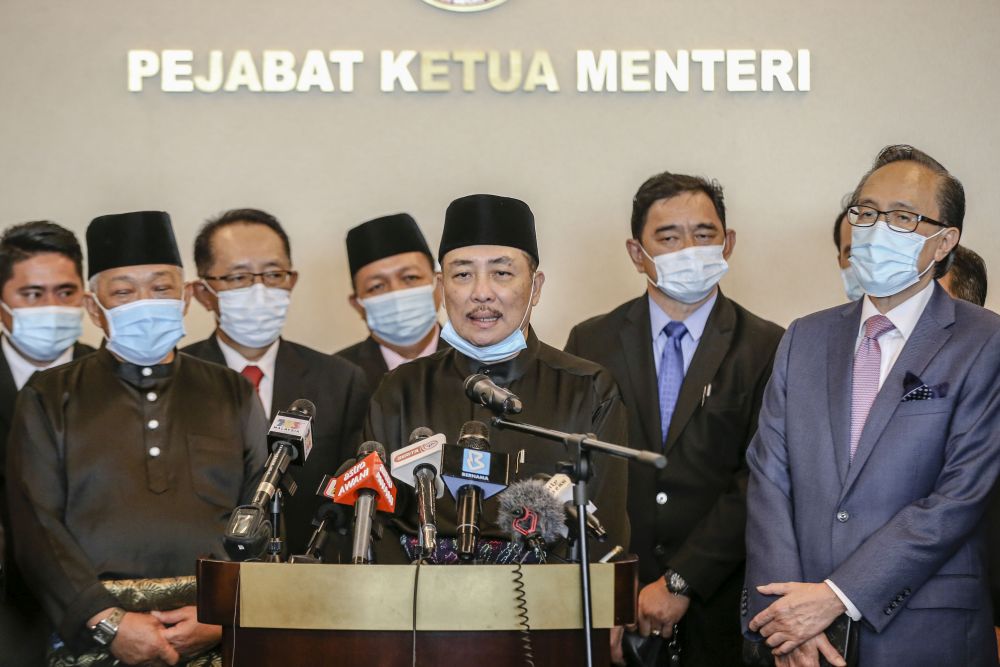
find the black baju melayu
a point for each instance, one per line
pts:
(558, 390)
(118, 471)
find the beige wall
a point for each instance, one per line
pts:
(75, 144)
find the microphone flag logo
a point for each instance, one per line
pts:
(476, 462)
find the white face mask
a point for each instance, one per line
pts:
(144, 332)
(689, 275)
(886, 261)
(402, 317)
(44, 332)
(852, 288)
(253, 316)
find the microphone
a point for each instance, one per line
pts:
(293, 429)
(472, 473)
(482, 390)
(419, 433)
(368, 487)
(418, 465)
(329, 516)
(529, 514)
(560, 487)
(289, 440)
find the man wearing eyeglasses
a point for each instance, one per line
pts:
(246, 279)
(878, 446)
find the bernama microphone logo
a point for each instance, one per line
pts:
(465, 5)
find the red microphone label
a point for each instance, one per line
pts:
(368, 473)
(527, 523)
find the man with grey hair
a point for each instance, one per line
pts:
(877, 448)
(125, 464)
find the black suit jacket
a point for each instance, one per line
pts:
(699, 529)
(340, 392)
(368, 356)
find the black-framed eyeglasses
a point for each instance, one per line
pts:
(898, 221)
(274, 278)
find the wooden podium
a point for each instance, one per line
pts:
(277, 614)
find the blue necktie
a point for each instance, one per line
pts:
(671, 374)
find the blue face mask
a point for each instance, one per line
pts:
(45, 332)
(402, 317)
(852, 288)
(505, 349)
(886, 261)
(144, 332)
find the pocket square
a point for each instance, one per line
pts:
(914, 389)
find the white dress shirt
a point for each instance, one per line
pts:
(904, 317)
(238, 362)
(21, 369)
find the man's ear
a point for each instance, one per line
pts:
(188, 289)
(539, 281)
(356, 305)
(637, 255)
(202, 295)
(94, 312)
(730, 243)
(949, 239)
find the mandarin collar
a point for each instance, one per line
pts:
(141, 377)
(502, 373)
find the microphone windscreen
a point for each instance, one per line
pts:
(370, 446)
(475, 435)
(304, 406)
(419, 433)
(531, 495)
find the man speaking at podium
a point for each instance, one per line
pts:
(126, 463)
(490, 282)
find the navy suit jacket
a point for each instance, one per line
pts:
(898, 529)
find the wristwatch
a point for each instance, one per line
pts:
(676, 583)
(107, 628)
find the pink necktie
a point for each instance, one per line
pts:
(867, 364)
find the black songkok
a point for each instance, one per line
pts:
(130, 239)
(384, 237)
(488, 220)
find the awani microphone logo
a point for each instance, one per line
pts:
(465, 5)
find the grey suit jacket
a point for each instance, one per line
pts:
(897, 529)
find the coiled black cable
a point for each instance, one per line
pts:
(521, 602)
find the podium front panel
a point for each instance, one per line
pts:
(472, 598)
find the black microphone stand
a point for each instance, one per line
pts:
(286, 484)
(583, 444)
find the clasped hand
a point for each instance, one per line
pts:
(793, 624)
